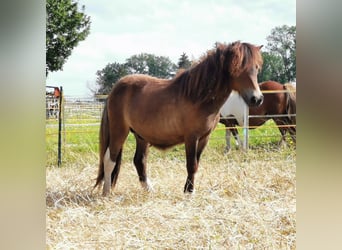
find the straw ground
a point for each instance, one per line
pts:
(242, 201)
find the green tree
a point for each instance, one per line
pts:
(282, 43)
(66, 26)
(158, 66)
(109, 75)
(272, 68)
(184, 62)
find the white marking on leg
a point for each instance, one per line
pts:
(108, 169)
(147, 185)
(237, 141)
(189, 195)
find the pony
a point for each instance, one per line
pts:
(281, 102)
(167, 112)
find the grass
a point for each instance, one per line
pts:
(83, 138)
(242, 200)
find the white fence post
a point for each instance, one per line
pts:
(245, 127)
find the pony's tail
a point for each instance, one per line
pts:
(290, 102)
(104, 143)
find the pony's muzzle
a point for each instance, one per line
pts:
(256, 101)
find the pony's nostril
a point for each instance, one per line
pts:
(260, 100)
(256, 101)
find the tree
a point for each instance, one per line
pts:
(282, 43)
(66, 26)
(109, 75)
(272, 68)
(158, 66)
(184, 62)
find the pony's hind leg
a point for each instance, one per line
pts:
(140, 157)
(118, 133)
(111, 170)
(108, 166)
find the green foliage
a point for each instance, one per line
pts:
(282, 44)
(158, 66)
(184, 62)
(272, 68)
(66, 26)
(109, 75)
(144, 63)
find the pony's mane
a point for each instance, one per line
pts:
(210, 76)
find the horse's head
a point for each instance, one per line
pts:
(245, 63)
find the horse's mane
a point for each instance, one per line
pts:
(210, 76)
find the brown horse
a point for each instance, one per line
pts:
(281, 102)
(185, 109)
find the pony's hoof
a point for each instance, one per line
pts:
(105, 193)
(147, 185)
(189, 195)
(227, 151)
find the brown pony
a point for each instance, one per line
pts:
(185, 109)
(281, 104)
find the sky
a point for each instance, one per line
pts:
(120, 29)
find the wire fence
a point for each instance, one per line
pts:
(82, 117)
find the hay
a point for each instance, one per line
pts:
(241, 201)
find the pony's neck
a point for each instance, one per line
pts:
(205, 83)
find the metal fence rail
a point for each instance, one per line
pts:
(81, 115)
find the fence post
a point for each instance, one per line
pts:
(245, 127)
(60, 128)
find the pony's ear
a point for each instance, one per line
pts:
(260, 47)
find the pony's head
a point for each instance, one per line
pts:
(244, 61)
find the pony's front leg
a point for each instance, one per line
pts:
(227, 140)
(191, 164)
(237, 137)
(194, 149)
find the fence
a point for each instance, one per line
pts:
(71, 116)
(83, 115)
(246, 116)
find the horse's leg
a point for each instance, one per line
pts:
(194, 150)
(292, 131)
(140, 157)
(191, 145)
(227, 139)
(116, 170)
(201, 145)
(282, 131)
(112, 158)
(108, 166)
(236, 136)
